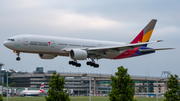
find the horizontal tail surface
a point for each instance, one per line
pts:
(147, 50)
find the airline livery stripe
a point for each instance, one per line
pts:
(147, 36)
(138, 38)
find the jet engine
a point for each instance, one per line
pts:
(47, 56)
(78, 54)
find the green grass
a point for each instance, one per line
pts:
(149, 99)
(75, 99)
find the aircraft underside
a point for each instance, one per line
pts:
(108, 55)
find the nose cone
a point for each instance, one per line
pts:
(5, 43)
(8, 44)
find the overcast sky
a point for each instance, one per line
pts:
(110, 20)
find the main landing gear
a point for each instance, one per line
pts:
(92, 63)
(18, 58)
(75, 63)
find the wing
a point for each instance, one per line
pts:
(120, 48)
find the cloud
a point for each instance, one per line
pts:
(109, 20)
(64, 19)
(167, 30)
(74, 21)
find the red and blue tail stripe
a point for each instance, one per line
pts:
(42, 88)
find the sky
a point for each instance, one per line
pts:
(109, 20)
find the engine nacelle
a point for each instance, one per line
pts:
(78, 54)
(47, 56)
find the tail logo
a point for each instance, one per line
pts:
(145, 34)
(42, 88)
(49, 43)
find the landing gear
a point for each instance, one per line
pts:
(75, 63)
(92, 63)
(18, 58)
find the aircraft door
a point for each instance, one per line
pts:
(52, 43)
(25, 40)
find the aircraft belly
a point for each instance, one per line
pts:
(43, 50)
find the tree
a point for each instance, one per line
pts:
(1, 97)
(140, 89)
(13, 84)
(122, 86)
(4, 85)
(173, 93)
(56, 91)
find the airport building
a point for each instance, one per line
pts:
(79, 83)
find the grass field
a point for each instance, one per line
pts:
(74, 99)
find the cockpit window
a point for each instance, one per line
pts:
(10, 39)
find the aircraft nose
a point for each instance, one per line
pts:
(5, 43)
(8, 44)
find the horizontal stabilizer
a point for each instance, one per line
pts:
(147, 50)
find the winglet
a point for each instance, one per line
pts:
(146, 33)
(159, 40)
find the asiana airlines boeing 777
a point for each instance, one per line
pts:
(49, 47)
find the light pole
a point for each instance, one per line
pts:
(1, 64)
(157, 90)
(7, 79)
(60, 69)
(89, 85)
(7, 86)
(63, 69)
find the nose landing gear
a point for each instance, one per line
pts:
(18, 58)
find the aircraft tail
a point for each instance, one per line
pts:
(42, 88)
(145, 34)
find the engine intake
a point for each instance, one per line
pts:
(78, 54)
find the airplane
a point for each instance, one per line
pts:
(33, 92)
(49, 47)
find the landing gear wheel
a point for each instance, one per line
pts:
(18, 58)
(92, 64)
(88, 63)
(96, 65)
(74, 63)
(78, 65)
(71, 62)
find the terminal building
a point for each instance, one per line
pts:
(78, 84)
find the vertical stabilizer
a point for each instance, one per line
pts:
(145, 34)
(42, 88)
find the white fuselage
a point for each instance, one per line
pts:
(31, 92)
(55, 45)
